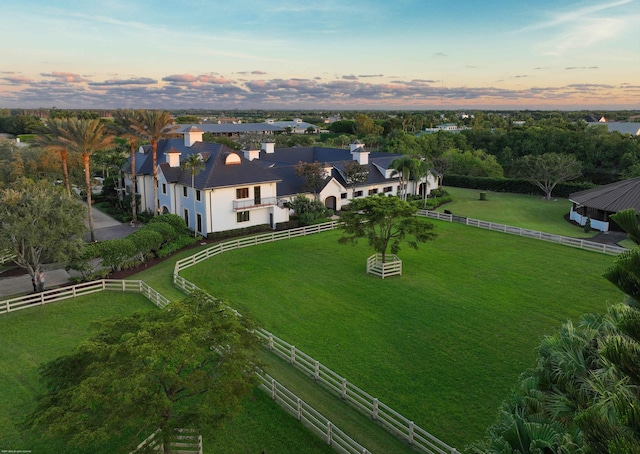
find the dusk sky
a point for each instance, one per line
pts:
(346, 54)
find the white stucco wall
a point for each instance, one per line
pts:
(582, 220)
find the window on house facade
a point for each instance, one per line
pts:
(358, 194)
(186, 216)
(256, 195)
(164, 188)
(242, 193)
(242, 216)
(199, 222)
(184, 191)
(388, 189)
(373, 191)
(198, 196)
(343, 195)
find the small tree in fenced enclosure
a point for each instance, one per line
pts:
(385, 222)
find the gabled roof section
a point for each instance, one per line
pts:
(612, 197)
(215, 174)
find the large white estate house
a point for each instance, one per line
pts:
(252, 187)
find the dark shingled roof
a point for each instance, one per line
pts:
(216, 173)
(612, 197)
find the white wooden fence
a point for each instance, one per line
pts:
(356, 397)
(187, 443)
(86, 288)
(308, 416)
(559, 239)
(386, 416)
(5, 256)
(250, 241)
(392, 267)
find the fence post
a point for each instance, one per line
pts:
(374, 415)
(329, 433)
(274, 389)
(42, 298)
(270, 341)
(316, 373)
(344, 388)
(293, 354)
(299, 409)
(411, 429)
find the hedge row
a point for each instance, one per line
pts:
(164, 235)
(512, 185)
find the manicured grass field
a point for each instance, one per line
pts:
(518, 210)
(32, 336)
(443, 343)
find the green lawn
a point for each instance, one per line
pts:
(518, 210)
(443, 343)
(32, 336)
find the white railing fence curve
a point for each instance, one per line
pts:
(304, 412)
(391, 420)
(549, 237)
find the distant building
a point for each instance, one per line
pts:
(296, 126)
(448, 127)
(233, 129)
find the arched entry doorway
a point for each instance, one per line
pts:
(330, 202)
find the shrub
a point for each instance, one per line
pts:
(173, 219)
(116, 252)
(146, 240)
(308, 210)
(240, 232)
(177, 244)
(163, 228)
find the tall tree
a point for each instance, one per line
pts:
(123, 122)
(548, 169)
(422, 171)
(153, 125)
(85, 137)
(186, 366)
(313, 174)
(40, 224)
(194, 164)
(49, 138)
(385, 222)
(355, 173)
(402, 168)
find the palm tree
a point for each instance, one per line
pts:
(153, 125)
(124, 120)
(85, 137)
(194, 163)
(421, 171)
(403, 167)
(49, 138)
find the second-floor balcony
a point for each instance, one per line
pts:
(248, 204)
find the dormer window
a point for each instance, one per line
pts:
(232, 159)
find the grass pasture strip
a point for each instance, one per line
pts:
(519, 210)
(443, 343)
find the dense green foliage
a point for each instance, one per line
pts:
(308, 211)
(40, 223)
(512, 185)
(186, 366)
(385, 222)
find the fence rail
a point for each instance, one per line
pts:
(304, 412)
(365, 403)
(311, 418)
(250, 241)
(559, 239)
(85, 288)
(359, 399)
